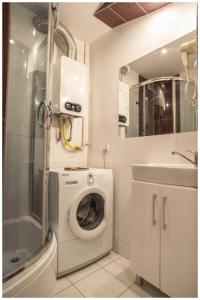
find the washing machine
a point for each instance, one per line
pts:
(81, 215)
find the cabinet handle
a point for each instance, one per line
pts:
(153, 209)
(163, 210)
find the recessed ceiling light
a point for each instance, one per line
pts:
(164, 51)
(11, 41)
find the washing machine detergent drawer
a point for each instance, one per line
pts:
(74, 254)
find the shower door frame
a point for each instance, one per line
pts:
(46, 234)
(46, 148)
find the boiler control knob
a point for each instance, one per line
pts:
(124, 119)
(68, 106)
(78, 108)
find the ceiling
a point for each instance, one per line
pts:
(82, 20)
(79, 18)
(156, 64)
(116, 13)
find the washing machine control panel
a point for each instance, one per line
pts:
(91, 178)
(94, 177)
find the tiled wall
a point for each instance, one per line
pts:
(119, 47)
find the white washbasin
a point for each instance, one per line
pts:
(184, 175)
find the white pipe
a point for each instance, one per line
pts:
(68, 39)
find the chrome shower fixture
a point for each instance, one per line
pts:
(63, 38)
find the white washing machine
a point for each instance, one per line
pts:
(81, 215)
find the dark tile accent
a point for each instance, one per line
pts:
(109, 17)
(141, 129)
(158, 119)
(128, 10)
(178, 108)
(149, 7)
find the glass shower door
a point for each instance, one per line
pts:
(25, 141)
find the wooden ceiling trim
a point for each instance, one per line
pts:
(121, 17)
(117, 13)
(128, 10)
(109, 17)
(104, 6)
(142, 8)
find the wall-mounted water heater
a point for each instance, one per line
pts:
(123, 104)
(70, 87)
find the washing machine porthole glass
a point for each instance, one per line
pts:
(90, 211)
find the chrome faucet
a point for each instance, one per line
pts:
(195, 161)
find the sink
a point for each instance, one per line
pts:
(182, 175)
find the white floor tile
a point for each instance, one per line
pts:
(120, 268)
(129, 294)
(70, 292)
(108, 259)
(61, 284)
(76, 276)
(100, 284)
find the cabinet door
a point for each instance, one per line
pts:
(179, 241)
(145, 232)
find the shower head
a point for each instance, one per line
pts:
(125, 70)
(63, 38)
(41, 24)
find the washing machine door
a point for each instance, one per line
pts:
(88, 213)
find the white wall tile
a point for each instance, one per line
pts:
(63, 157)
(122, 247)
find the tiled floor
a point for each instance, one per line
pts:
(108, 277)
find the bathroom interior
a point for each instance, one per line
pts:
(100, 156)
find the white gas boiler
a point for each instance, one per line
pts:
(70, 87)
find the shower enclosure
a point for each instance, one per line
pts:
(25, 163)
(158, 106)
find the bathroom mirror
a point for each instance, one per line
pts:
(152, 98)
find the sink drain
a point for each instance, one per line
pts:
(15, 259)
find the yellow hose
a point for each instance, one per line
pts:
(64, 138)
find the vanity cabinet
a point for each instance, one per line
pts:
(164, 237)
